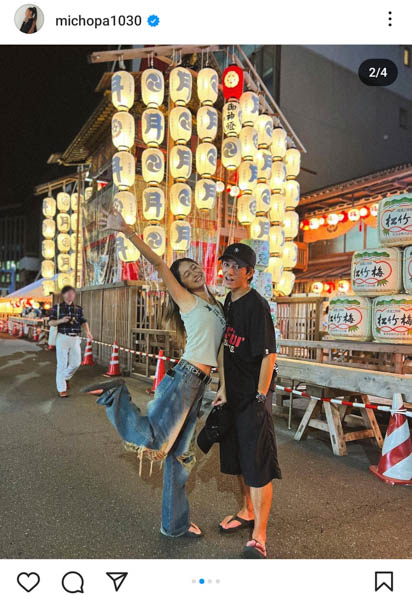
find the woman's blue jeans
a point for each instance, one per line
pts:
(169, 427)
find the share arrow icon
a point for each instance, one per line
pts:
(118, 579)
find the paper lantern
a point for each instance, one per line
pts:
(153, 87)
(246, 209)
(65, 279)
(276, 239)
(290, 255)
(72, 239)
(220, 186)
(180, 85)
(364, 212)
(63, 262)
(153, 165)
(48, 287)
(248, 143)
(247, 176)
(292, 162)
(180, 235)
(47, 269)
(64, 241)
(277, 208)
(47, 248)
(263, 162)
(125, 250)
(278, 177)
(180, 199)
(275, 268)
(153, 127)
(353, 214)
(205, 194)
(314, 223)
(305, 225)
(49, 207)
(207, 86)
(207, 121)
(234, 191)
(48, 228)
(74, 201)
(332, 219)
(231, 116)
(259, 228)
(155, 237)
(123, 130)
(123, 169)
(264, 127)
(180, 124)
(63, 222)
(88, 192)
(374, 209)
(122, 90)
(231, 155)
(278, 146)
(249, 105)
(343, 286)
(206, 159)
(153, 199)
(286, 283)
(262, 195)
(317, 287)
(292, 193)
(180, 161)
(232, 82)
(125, 204)
(63, 201)
(291, 224)
(73, 222)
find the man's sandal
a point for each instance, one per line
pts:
(254, 549)
(192, 534)
(243, 524)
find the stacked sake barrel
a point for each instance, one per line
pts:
(381, 308)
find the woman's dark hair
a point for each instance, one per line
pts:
(33, 11)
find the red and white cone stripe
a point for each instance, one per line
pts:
(114, 360)
(396, 461)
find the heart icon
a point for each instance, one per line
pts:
(28, 581)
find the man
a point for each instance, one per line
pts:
(248, 450)
(68, 318)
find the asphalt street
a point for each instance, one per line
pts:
(68, 489)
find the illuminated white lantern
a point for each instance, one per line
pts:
(231, 155)
(63, 222)
(332, 219)
(292, 194)
(153, 199)
(65, 279)
(276, 240)
(153, 127)
(207, 86)
(205, 194)
(49, 207)
(353, 214)
(48, 287)
(249, 105)
(180, 85)
(247, 176)
(123, 130)
(73, 222)
(263, 162)
(248, 143)
(125, 203)
(155, 237)
(153, 165)
(286, 283)
(47, 249)
(125, 250)
(277, 208)
(180, 235)
(48, 228)
(290, 255)
(264, 127)
(292, 162)
(180, 161)
(278, 146)
(291, 224)
(220, 186)
(64, 241)
(231, 118)
(180, 199)
(74, 201)
(63, 201)
(207, 122)
(153, 87)
(278, 177)
(259, 229)
(47, 269)
(63, 262)
(88, 192)
(122, 90)
(180, 124)
(206, 159)
(275, 268)
(72, 241)
(246, 209)
(123, 169)
(262, 194)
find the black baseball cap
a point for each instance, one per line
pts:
(217, 424)
(244, 255)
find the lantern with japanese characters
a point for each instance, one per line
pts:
(231, 154)
(125, 250)
(180, 124)
(248, 142)
(207, 121)
(64, 279)
(264, 128)
(246, 209)
(122, 90)
(63, 201)
(125, 203)
(290, 255)
(207, 86)
(263, 160)
(155, 237)
(74, 201)
(63, 222)
(262, 195)
(64, 242)
(153, 87)
(180, 86)
(180, 235)
(285, 285)
(249, 105)
(123, 169)
(276, 240)
(206, 159)
(278, 176)
(123, 130)
(277, 209)
(205, 194)
(153, 165)
(247, 176)
(292, 194)
(48, 228)
(180, 160)
(231, 117)
(73, 221)
(153, 199)
(291, 224)
(275, 268)
(259, 228)
(278, 146)
(180, 199)
(49, 207)
(292, 162)
(63, 262)
(153, 127)
(47, 249)
(47, 269)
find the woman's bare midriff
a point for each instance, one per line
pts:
(205, 368)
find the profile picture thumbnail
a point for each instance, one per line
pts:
(29, 18)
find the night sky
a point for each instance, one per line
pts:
(48, 93)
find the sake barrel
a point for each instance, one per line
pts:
(349, 318)
(261, 248)
(262, 283)
(392, 319)
(395, 220)
(377, 271)
(407, 270)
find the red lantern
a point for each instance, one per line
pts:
(364, 212)
(328, 287)
(232, 80)
(305, 225)
(344, 217)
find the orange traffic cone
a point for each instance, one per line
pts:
(15, 328)
(395, 465)
(114, 368)
(21, 331)
(160, 371)
(35, 337)
(88, 354)
(1, 325)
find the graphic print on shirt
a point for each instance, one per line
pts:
(217, 312)
(232, 340)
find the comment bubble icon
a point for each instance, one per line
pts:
(73, 583)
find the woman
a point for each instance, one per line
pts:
(29, 24)
(168, 429)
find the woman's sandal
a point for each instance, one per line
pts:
(243, 524)
(254, 549)
(192, 534)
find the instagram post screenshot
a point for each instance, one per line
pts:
(206, 300)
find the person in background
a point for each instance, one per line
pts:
(29, 24)
(68, 318)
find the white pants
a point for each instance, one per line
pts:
(68, 355)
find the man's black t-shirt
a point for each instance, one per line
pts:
(249, 337)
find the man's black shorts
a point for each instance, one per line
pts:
(249, 447)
